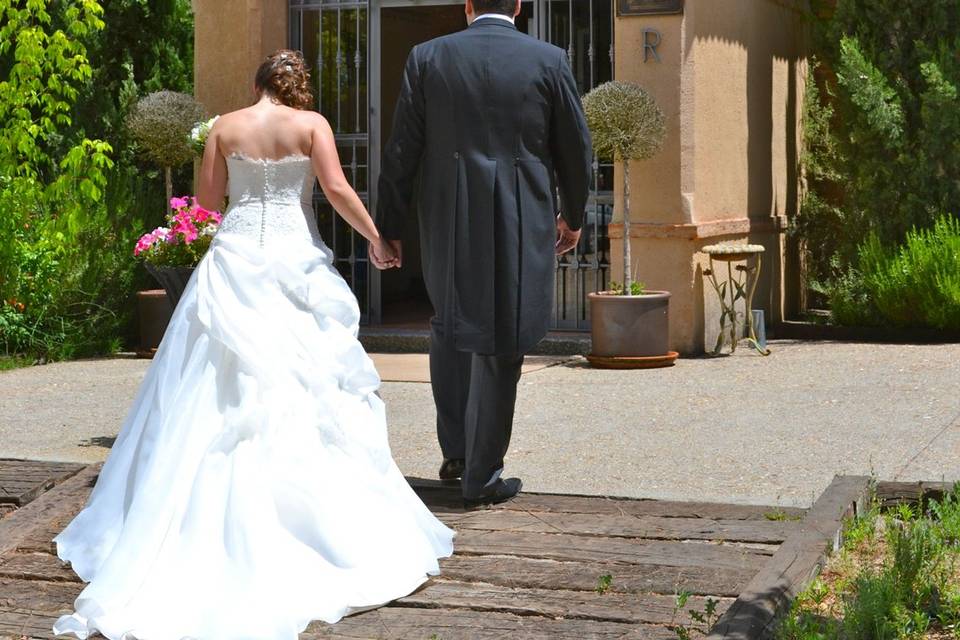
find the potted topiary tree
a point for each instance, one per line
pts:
(629, 325)
(161, 123)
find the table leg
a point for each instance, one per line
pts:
(751, 330)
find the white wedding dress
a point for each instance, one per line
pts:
(251, 489)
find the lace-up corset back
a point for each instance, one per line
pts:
(270, 200)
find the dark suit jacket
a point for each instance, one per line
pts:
(492, 119)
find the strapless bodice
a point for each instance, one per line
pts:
(270, 199)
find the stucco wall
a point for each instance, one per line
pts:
(655, 183)
(730, 81)
(747, 59)
(749, 68)
(231, 39)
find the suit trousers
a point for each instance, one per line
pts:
(475, 395)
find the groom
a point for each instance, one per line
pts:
(492, 121)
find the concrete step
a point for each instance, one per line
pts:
(381, 340)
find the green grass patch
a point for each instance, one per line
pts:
(14, 362)
(896, 576)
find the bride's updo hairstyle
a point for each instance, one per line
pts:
(284, 77)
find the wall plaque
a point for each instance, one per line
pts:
(647, 7)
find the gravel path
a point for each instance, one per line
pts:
(740, 429)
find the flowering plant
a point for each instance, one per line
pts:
(199, 133)
(184, 240)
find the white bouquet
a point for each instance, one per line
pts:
(199, 133)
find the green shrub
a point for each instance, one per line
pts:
(73, 199)
(914, 285)
(881, 130)
(850, 301)
(946, 512)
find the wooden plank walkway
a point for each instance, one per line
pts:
(527, 569)
(23, 480)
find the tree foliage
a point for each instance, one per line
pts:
(72, 196)
(160, 123)
(881, 127)
(625, 121)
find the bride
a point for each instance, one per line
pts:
(251, 489)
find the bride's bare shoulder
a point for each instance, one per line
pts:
(315, 121)
(232, 118)
(308, 116)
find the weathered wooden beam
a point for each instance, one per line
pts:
(51, 509)
(21, 481)
(892, 493)
(555, 603)
(446, 497)
(626, 526)
(795, 564)
(36, 566)
(47, 598)
(413, 623)
(558, 546)
(20, 624)
(514, 571)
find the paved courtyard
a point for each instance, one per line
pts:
(742, 429)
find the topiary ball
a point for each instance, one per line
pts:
(625, 121)
(160, 122)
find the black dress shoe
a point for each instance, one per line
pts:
(501, 491)
(452, 468)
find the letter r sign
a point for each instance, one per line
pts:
(651, 40)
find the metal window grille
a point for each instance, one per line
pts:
(333, 36)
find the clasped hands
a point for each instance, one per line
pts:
(388, 254)
(385, 254)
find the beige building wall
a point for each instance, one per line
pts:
(730, 82)
(231, 39)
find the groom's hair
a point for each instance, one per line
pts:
(505, 7)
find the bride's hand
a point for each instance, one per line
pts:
(383, 255)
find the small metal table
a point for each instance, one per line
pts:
(740, 283)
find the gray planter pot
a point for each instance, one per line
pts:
(630, 326)
(172, 279)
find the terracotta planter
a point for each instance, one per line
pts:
(630, 331)
(154, 311)
(172, 279)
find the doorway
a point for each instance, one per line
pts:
(358, 49)
(403, 294)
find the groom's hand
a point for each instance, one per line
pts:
(385, 254)
(381, 256)
(567, 238)
(397, 247)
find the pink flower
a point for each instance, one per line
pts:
(144, 243)
(178, 203)
(148, 240)
(183, 216)
(163, 234)
(201, 215)
(186, 229)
